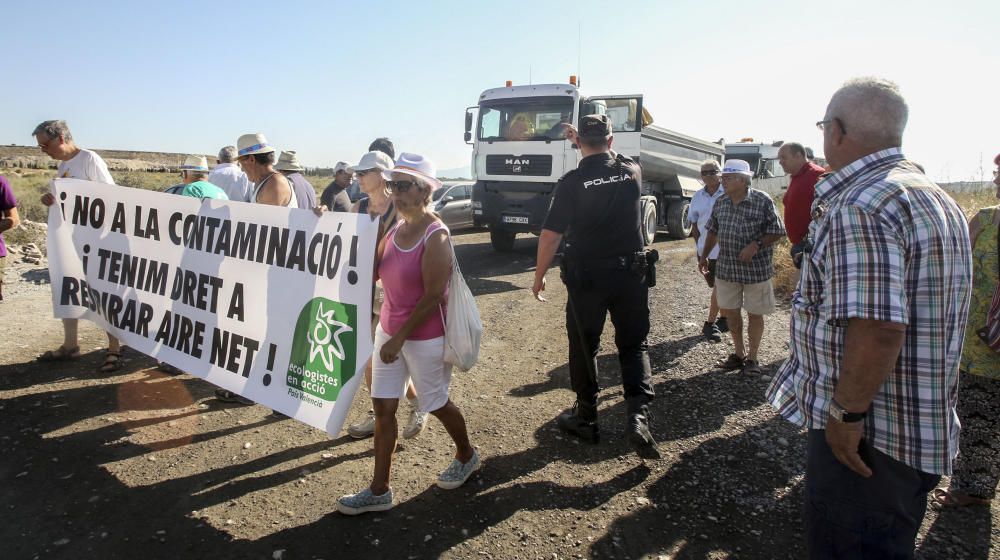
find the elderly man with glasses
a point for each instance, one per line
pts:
(699, 214)
(745, 225)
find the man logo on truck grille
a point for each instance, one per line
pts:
(323, 348)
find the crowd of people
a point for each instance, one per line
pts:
(893, 342)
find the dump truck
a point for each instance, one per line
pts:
(520, 152)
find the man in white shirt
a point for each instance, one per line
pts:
(698, 215)
(55, 140)
(229, 177)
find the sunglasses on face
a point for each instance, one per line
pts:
(363, 172)
(709, 172)
(400, 186)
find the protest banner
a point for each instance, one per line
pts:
(269, 302)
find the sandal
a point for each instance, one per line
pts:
(957, 499)
(61, 354)
(112, 362)
(731, 363)
(751, 367)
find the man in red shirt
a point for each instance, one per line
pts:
(799, 196)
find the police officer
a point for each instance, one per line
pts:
(597, 208)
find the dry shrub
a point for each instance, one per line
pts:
(785, 276)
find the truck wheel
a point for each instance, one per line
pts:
(677, 224)
(502, 240)
(649, 223)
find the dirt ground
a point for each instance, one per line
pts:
(137, 464)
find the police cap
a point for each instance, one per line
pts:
(595, 127)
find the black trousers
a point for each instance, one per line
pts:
(626, 297)
(852, 517)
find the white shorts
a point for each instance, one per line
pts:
(421, 360)
(757, 299)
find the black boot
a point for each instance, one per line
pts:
(638, 428)
(581, 422)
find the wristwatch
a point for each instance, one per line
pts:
(838, 413)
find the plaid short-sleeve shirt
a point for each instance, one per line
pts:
(888, 245)
(738, 225)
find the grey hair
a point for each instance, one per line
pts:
(872, 111)
(200, 175)
(227, 154)
(711, 161)
(53, 129)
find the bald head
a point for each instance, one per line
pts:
(872, 111)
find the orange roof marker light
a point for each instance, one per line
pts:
(509, 83)
(572, 80)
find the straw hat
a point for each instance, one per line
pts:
(250, 144)
(415, 166)
(195, 163)
(288, 162)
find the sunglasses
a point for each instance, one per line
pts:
(709, 172)
(400, 186)
(363, 172)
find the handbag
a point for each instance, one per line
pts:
(990, 334)
(463, 328)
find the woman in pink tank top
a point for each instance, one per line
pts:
(415, 266)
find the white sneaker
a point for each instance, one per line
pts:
(416, 424)
(364, 428)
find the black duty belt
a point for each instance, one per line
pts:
(621, 262)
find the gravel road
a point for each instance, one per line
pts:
(142, 465)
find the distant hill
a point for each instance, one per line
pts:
(31, 157)
(456, 173)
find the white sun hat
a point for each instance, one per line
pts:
(374, 160)
(415, 166)
(288, 162)
(736, 167)
(250, 144)
(342, 166)
(195, 163)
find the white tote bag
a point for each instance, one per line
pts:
(463, 329)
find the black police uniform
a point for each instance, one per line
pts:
(597, 207)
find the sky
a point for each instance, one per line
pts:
(325, 78)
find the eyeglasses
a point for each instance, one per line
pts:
(400, 186)
(709, 172)
(363, 172)
(822, 124)
(45, 145)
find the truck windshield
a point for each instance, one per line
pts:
(524, 119)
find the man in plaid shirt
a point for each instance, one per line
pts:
(877, 325)
(745, 224)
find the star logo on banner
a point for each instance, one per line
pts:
(325, 338)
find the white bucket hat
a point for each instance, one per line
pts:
(374, 160)
(736, 167)
(288, 162)
(342, 166)
(195, 163)
(415, 166)
(250, 144)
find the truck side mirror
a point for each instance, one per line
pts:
(468, 136)
(468, 121)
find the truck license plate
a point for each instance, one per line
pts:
(515, 219)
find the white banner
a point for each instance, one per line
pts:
(269, 302)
